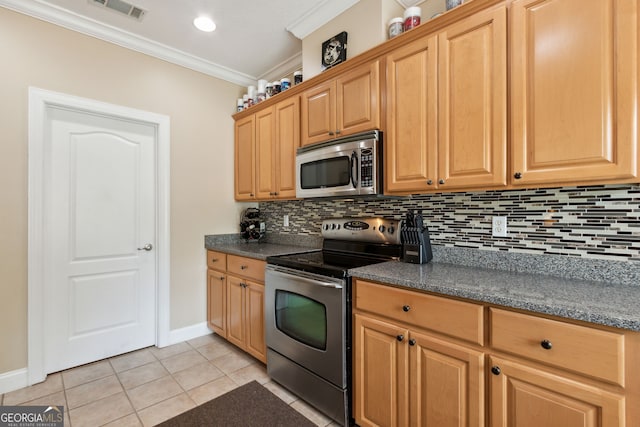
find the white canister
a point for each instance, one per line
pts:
(262, 86)
(240, 105)
(253, 93)
(395, 27)
(412, 17)
(285, 84)
(297, 77)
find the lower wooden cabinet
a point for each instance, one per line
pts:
(245, 308)
(406, 378)
(380, 373)
(410, 369)
(525, 395)
(217, 302)
(235, 302)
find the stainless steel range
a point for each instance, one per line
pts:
(308, 310)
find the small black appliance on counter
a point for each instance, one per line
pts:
(252, 229)
(416, 245)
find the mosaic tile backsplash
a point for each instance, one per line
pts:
(590, 222)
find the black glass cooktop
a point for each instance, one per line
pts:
(336, 263)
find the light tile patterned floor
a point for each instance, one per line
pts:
(148, 386)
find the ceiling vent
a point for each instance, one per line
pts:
(405, 3)
(121, 7)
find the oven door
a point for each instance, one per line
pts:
(305, 321)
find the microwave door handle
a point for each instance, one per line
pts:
(354, 165)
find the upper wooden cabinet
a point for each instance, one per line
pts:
(245, 160)
(269, 138)
(574, 82)
(342, 106)
(447, 108)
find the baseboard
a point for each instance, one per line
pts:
(13, 380)
(188, 333)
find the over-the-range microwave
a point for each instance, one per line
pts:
(344, 167)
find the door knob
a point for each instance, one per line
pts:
(146, 247)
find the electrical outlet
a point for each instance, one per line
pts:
(285, 221)
(499, 226)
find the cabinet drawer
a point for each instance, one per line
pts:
(217, 260)
(589, 351)
(454, 318)
(246, 267)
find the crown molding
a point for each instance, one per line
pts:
(409, 3)
(318, 16)
(91, 27)
(283, 69)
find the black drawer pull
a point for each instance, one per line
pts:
(412, 341)
(546, 344)
(495, 370)
(400, 337)
(406, 308)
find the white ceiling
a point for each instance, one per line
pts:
(253, 38)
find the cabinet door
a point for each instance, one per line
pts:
(380, 373)
(358, 100)
(447, 383)
(318, 113)
(254, 309)
(245, 163)
(217, 302)
(265, 153)
(235, 310)
(288, 140)
(472, 143)
(411, 135)
(574, 90)
(527, 396)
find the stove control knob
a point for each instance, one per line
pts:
(382, 228)
(391, 229)
(333, 226)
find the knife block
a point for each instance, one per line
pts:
(416, 245)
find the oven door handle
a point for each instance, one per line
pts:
(311, 281)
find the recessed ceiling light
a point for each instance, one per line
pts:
(204, 23)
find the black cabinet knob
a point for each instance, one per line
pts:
(400, 337)
(406, 308)
(441, 181)
(429, 182)
(546, 344)
(412, 341)
(517, 175)
(495, 370)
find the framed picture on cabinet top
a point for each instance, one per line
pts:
(334, 50)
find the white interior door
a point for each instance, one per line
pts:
(100, 198)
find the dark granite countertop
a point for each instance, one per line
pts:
(602, 303)
(230, 244)
(612, 300)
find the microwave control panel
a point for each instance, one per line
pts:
(366, 168)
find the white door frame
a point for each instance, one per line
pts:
(39, 101)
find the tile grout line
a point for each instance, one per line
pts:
(124, 389)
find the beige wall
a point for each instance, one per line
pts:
(366, 26)
(35, 53)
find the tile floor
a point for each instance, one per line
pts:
(148, 386)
